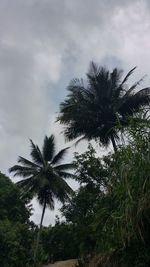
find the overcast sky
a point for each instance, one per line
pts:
(46, 43)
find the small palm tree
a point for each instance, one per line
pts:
(93, 108)
(43, 177)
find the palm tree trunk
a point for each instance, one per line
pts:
(114, 143)
(38, 235)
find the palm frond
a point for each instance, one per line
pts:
(72, 132)
(79, 140)
(25, 182)
(114, 89)
(93, 69)
(67, 175)
(128, 75)
(145, 92)
(60, 155)
(61, 189)
(27, 162)
(36, 154)
(28, 186)
(48, 148)
(22, 171)
(133, 87)
(68, 166)
(115, 77)
(133, 103)
(76, 85)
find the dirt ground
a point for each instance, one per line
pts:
(68, 263)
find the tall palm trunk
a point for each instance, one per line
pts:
(114, 143)
(38, 235)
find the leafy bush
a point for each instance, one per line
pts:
(15, 231)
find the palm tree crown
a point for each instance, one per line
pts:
(43, 177)
(93, 107)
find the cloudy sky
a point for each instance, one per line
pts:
(46, 43)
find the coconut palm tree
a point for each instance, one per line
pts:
(44, 176)
(94, 107)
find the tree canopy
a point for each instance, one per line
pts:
(94, 107)
(15, 230)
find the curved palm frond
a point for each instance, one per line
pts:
(60, 155)
(27, 162)
(25, 182)
(26, 186)
(36, 154)
(22, 171)
(67, 166)
(145, 92)
(128, 75)
(61, 190)
(133, 87)
(79, 140)
(131, 104)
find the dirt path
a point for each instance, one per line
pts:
(68, 263)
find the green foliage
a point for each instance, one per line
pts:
(59, 242)
(80, 210)
(15, 245)
(11, 205)
(111, 209)
(128, 209)
(15, 231)
(90, 169)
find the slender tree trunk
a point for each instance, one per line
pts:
(113, 143)
(38, 235)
